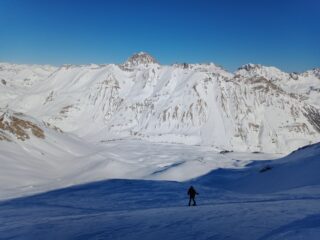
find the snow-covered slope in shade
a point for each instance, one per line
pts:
(297, 170)
(144, 209)
(195, 104)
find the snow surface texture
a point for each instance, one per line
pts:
(233, 204)
(257, 108)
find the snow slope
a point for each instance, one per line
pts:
(145, 209)
(298, 169)
(57, 160)
(193, 123)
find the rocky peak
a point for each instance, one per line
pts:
(316, 72)
(141, 58)
(257, 70)
(250, 66)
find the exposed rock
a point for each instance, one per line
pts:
(313, 116)
(140, 58)
(18, 127)
(250, 66)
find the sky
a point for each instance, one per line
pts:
(281, 33)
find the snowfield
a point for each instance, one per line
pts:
(59, 161)
(233, 204)
(109, 151)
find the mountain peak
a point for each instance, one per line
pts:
(316, 72)
(140, 58)
(250, 66)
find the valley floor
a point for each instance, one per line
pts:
(37, 166)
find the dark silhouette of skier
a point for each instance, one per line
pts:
(192, 194)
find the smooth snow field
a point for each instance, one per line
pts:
(34, 166)
(238, 198)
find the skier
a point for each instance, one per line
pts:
(192, 194)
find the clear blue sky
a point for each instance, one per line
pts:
(283, 33)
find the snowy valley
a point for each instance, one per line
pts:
(114, 148)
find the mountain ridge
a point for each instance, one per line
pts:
(257, 108)
(151, 59)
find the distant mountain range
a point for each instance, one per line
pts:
(256, 108)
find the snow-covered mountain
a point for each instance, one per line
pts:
(59, 128)
(257, 108)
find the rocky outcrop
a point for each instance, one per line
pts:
(13, 124)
